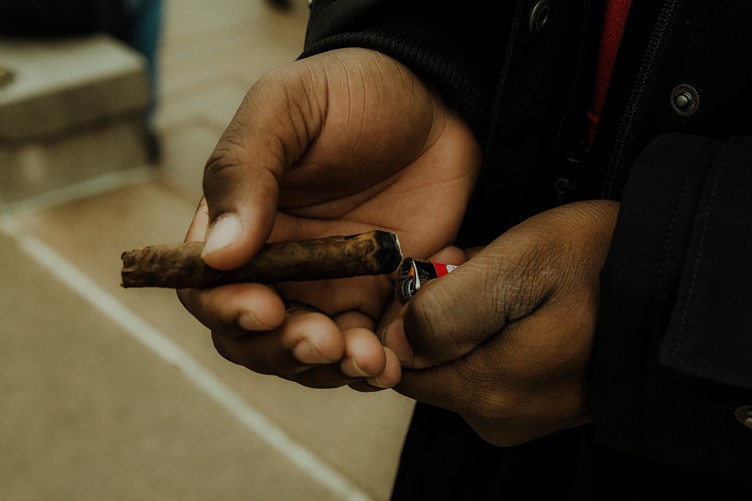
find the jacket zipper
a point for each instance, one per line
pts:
(566, 184)
(626, 129)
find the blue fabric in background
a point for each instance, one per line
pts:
(144, 35)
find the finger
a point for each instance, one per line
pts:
(241, 177)
(391, 323)
(546, 258)
(448, 317)
(223, 346)
(358, 294)
(388, 378)
(390, 375)
(331, 376)
(322, 377)
(364, 355)
(235, 309)
(311, 337)
(364, 358)
(472, 252)
(450, 255)
(307, 339)
(353, 320)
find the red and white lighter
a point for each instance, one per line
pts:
(414, 274)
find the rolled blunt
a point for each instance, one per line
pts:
(179, 266)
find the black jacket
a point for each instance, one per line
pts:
(671, 369)
(55, 18)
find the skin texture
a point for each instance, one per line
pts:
(350, 141)
(511, 356)
(336, 144)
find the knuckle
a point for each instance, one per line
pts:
(222, 166)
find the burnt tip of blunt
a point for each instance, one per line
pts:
(388, 251)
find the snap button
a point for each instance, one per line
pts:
(564, 185)
(539, 16)
(744, 415)
(685, 100)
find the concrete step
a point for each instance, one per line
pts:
(70, 109)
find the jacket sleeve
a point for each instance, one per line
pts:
(445, 43)
(680, 389)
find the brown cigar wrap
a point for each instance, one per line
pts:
(179, 266)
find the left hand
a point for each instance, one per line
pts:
(505, 339)
(343, 142)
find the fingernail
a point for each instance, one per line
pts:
(248, 321)
(395, 338)
(376, 383)
(224, 232)
(350, 367)
(304, 352)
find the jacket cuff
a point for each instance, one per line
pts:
(450, 53)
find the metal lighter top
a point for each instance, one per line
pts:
(414, 274)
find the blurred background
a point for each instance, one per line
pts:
(106, 120)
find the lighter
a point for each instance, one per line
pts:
(414, 274)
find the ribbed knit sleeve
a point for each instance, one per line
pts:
(454, 47)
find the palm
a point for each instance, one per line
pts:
(389, 157)
(421, 196)
(387, 154)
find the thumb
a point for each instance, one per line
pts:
(439, 324)
(544, 258)
(241, 177)
(446, 318)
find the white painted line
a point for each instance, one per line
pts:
(173, 354)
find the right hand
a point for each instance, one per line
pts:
(335, 144)
(505, 339)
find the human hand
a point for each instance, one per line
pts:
(335, 144)
(504, 340)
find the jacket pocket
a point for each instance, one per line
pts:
(709, 334)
